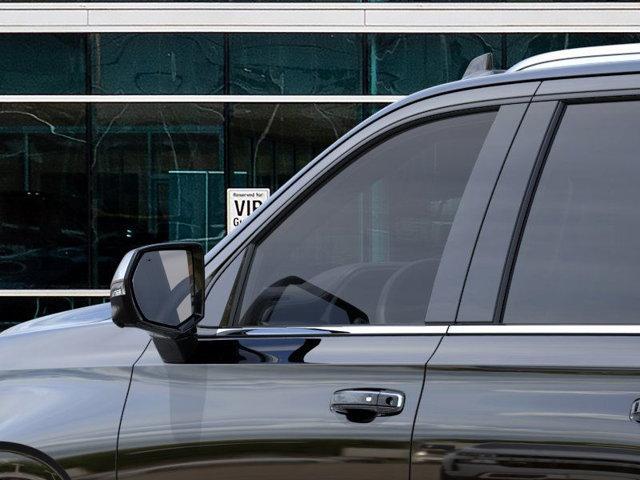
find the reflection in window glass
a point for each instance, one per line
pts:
(579, 259)
(158, 64)
(406, 63)
(366, 246)
(44, 204)
(270, 142)
(317, 63)
(41, 63)
(158, 175)
(521, 46)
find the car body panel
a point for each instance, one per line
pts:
(530, 406)
(259, 408)
(524, 401)
(64, 381)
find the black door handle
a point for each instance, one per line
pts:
(364, 404)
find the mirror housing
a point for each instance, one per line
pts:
(160, 288)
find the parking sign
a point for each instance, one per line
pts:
(241, 202)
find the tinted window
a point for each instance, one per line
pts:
(298, 63)
(579, 257)
(365, 248)
(158, 174)
(157, 64)
(406, 63)
(42, 63)
(44, 200)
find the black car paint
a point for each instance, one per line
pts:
(259, 408)
(494, 406)
(530, 406)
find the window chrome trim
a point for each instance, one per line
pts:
(488, 329)
(324, 330)
(501, 329)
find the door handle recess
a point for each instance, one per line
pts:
(634, 414)
(362, 404)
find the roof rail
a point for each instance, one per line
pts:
(481, 66)
(580, 56)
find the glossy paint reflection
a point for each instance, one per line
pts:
(258, 408)
(521, 407)
(63, 389)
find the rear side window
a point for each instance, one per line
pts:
(579, 257)
(365, 247)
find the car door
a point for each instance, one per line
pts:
(540, 377)
(312, 355)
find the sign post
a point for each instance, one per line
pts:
(241, 202)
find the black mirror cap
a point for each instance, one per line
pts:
(126, 312)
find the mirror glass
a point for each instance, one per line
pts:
(163, 286)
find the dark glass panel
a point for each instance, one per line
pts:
(42, 63)
(283, 63)
(521, 46)
(578, 260)
(405, 63)
(16, 310)
(365, 247)
(269, 142)
(158, 175)
(44, 204)
(157, 64)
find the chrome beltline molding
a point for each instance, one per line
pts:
(353, 330)
(488, 329)
(500, 329)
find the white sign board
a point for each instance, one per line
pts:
(241, 202)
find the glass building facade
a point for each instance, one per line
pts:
(82, 181)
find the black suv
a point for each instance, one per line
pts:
(447, 292)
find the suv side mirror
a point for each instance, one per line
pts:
(160, 289)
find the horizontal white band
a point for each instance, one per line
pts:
(320, 17)
(500, 329)
(54, 293)
(199, 98)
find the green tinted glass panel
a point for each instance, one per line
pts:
(44, 204)
(270, 142)
(324, 64)
(405, 63)
(521, 46)
(42, 63)
(157, 177)
(157, 64)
